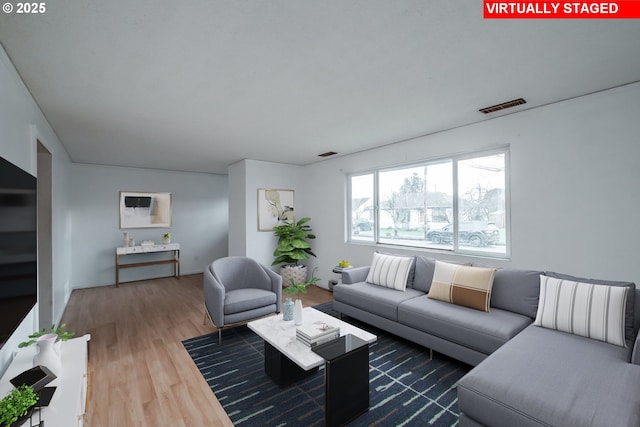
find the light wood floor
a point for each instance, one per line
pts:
(139, 372)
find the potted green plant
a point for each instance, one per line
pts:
(15, 406)
(293, 247)
(166, 238)
(299, 287)
(57, 330)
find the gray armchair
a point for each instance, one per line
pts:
(238, 289)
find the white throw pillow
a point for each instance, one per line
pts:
(390, 271)
(585, 309)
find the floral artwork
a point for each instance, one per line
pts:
(274, 208)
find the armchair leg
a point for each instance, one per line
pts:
(219, 336)
(204, 320)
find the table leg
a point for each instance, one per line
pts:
(282, 370)
(117, 271)
(346, 387)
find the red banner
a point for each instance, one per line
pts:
(624, 9)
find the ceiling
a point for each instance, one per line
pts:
(198, 85)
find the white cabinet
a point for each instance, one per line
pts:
(67, 406)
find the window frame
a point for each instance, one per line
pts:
(456, 249)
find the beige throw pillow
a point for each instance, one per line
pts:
(462, 285)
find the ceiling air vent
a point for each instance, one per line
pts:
(327, 154)
(502, 106)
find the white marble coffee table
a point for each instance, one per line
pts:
(280, 335)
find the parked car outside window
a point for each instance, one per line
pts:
(472, 233)
(362, 224)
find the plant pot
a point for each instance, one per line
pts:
(296, 272)
(166, 240)
(23, 419)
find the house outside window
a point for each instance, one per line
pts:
(457, 204)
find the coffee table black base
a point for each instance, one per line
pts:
(282, 370)
(346, 387)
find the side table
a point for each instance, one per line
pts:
(338, 270)
(346, 378)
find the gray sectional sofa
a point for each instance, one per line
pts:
(523, 375)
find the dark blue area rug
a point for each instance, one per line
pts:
(405, 387)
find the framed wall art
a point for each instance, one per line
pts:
(145, 210)
(274, 207)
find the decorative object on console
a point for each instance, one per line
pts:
(462, 285)
(166, 238)
(48, 354)
(147, 243)
(37, 377)
(58, 330)
(125, 239)
(16, 406)
(48, 342)
(293, 246)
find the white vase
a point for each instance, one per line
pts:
(297, 312)
(48, 354)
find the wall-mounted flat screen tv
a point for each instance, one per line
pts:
(18, 247)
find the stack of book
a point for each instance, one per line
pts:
(316, 333)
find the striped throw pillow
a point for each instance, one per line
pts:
(585, 309)
(462, 285)
(390, 271)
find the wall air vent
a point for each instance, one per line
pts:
(502, 106)
(327, 154)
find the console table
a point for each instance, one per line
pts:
(67, 406)
(146, 249)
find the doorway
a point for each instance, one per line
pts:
(45, 258)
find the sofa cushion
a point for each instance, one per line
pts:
(630, 330)
(544, 377)
(373, 298)
(390, 271)
(478, 330)
(423, 276)
(424, 268)
(240, 300)
(462, 285)
(585, 309)
(516, 290)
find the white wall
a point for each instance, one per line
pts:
(21, 123)
(199, 221)
(245, 239)
(237, 209)
(574, 176)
